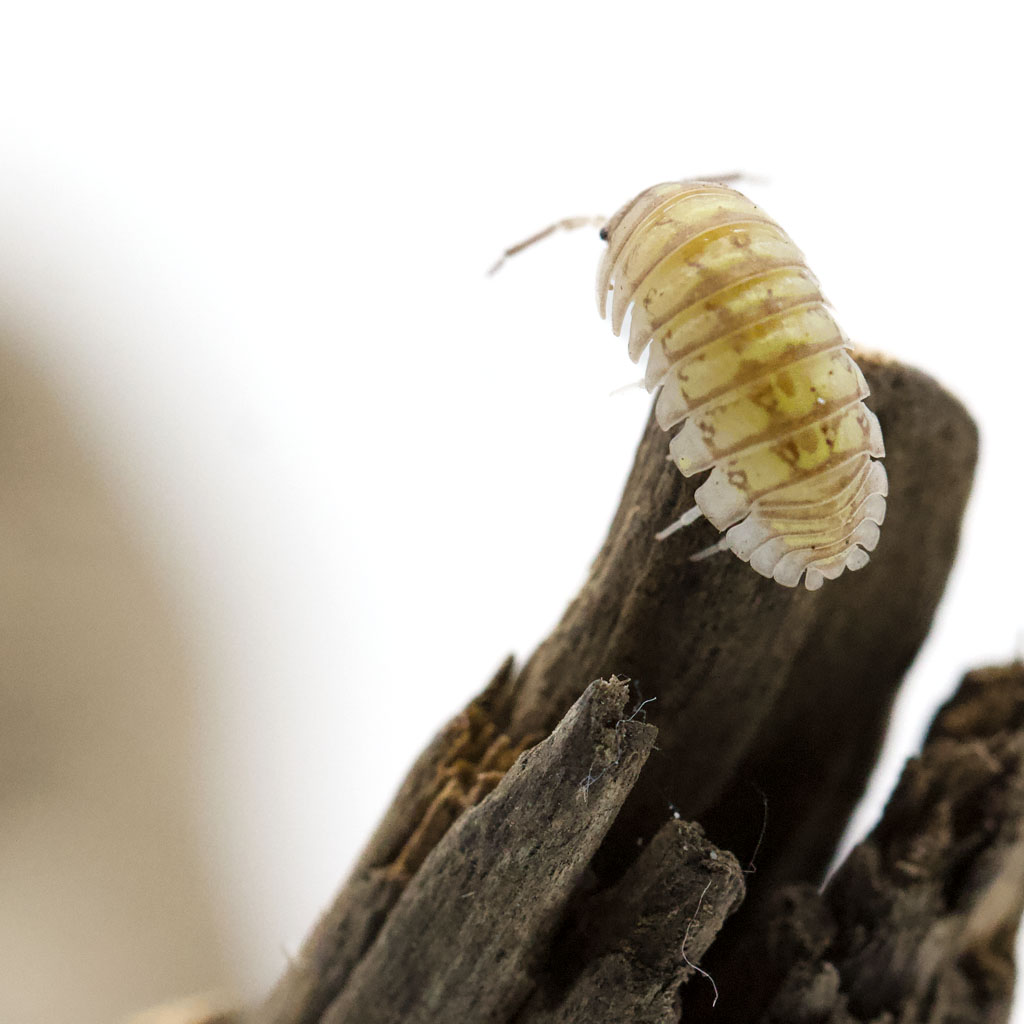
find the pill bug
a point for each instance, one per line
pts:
(751, 363)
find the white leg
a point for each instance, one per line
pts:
(731, 177)
(685, 519)
(631, 386)
(722, 545)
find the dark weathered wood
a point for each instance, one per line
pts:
(350, 924)
(817, 746)
(927, 907)
(918, 923)
(716, 644)
(632, 945)
(741, 666)
(763, 696)
(472, 726)
(461, 942)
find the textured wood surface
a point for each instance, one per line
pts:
(631, 946)
(918, 923)
(524, 850)
(762, 697)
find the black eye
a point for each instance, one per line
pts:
(604, 234)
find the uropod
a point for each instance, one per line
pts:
(756, 374)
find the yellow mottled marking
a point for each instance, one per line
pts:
(757, 374)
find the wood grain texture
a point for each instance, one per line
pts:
(446, 949)
(762, 695)
(348, 927)
(631, 946)
(740, 666)
(918, 924)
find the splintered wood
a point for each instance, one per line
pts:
(560, 854)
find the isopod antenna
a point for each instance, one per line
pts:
(566, 224)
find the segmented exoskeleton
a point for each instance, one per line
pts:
(750, 361)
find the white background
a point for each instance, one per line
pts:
(251, 243)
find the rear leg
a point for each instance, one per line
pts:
(722, 545)
(688, 517)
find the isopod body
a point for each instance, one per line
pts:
(752, 364)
